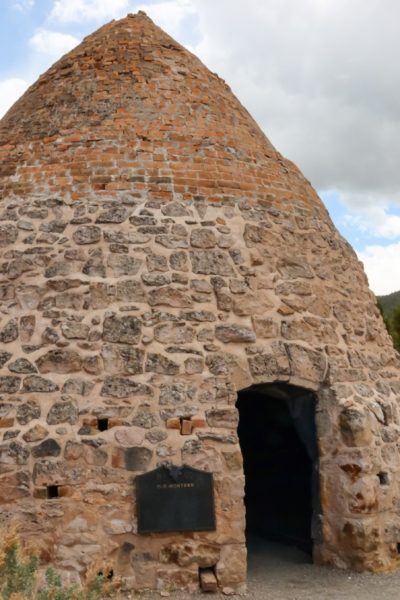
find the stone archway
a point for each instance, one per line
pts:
(277, 434)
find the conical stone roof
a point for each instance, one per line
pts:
(157, 255)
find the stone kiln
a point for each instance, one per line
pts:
(157, 256)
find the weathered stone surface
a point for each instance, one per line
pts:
(87, 234)
(129, 237)
(114, 214)
(306, 363)
(22, 365)
(211, 262)
(188, 553)
(9, 384)
(179, 260)
(170, 296)
(145, 418)
(4, 357)
(14, 486)
(129, 436)
(46, 448)
(122, 359)
(28, 412)
(59, 361)
(174, 333)
(9, 332)
(155, 279)
(123, 265)
(222, 417)
(157, 363)
(265, 327)
(122, 387)
(75, 330)
(8, 234)
(13, 453)
(126, 330)
(291, 268)
(234, 333)
(202, 238)
(35, 434)
(131, 459)
(130, 290)
(81, 387)
(35, 383)
(270, 364)
(29, 296)
(62, 412)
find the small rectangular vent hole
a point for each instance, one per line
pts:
(102, 424)
(383, 478)
(52, 491)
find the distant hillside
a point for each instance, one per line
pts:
(389, 302)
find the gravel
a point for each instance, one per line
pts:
(278, 572)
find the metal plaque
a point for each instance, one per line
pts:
(173, 498)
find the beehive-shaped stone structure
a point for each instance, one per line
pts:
(158, 255)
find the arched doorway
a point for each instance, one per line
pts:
(278, 440)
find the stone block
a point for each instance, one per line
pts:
(131, 459)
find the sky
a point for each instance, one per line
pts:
(321, 78)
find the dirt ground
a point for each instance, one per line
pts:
(278, 572)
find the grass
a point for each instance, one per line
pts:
(22, 579)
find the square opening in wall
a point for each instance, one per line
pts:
(52, 492)
(102, 424)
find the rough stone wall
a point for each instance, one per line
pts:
(136, 289)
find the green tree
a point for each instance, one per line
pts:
(394, 327)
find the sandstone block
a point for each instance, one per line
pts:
(173, 333)
(27, 412)
(46, 448)
(124, 265)
(130, 290)
(179, 261)
(59, 361)
(122, 358)
(87, 234)
(35, 434)
(114, 214)
(8, 234)
(126, 330)
(75, 330)
(131, 459)
(22, 365)
(170, 296)
(9, 332)
(35, 383)
(9, 384)
(234, 333)
(62, 412)
(4, 357)
(203, 238)
(122, 387)
(211, 262)
(157, 363)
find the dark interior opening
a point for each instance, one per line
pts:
(102, 424)
(52, 492)
(278, 441)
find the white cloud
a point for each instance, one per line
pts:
(10, 91)
(169, 15)
(381, 263)
(75, 11)
(23, 5)
(52, 43)
(320, 79)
